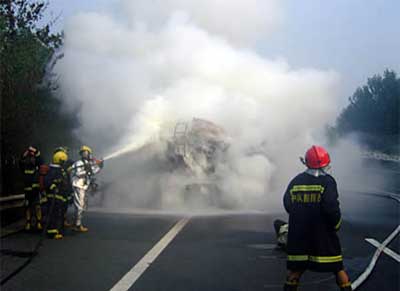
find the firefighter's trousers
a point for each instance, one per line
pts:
(56, 214)
(80, 204)
(32, 205)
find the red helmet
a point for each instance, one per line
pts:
(317, 157)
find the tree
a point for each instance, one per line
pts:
(373, 113)
(30, 115)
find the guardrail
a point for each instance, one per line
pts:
(12, 198)
(12, 201)
(381, 156)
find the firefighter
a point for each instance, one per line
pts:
(30, 163)
(281, 231)
(311, 199)
(56, 182)
(68, 169)
(82, 174)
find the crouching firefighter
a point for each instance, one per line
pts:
(56, 182)
(82, 178)
(311, 199)
(30, 164)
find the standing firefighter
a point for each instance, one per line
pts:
(30, 164)
(311, 200)
(82, 174)
(67, 166)
(56, 182)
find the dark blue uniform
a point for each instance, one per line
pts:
(314, 218)
(56, 182)
(30, 164)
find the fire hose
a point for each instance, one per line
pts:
(29, 255)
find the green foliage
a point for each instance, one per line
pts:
(373, 113)
(30, 115)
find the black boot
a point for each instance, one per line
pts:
(291, 286)
(346, 287)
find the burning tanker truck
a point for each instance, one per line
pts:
(193, 152)
(176, 169)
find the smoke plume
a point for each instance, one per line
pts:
(148, 64)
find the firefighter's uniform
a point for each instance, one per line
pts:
(70, 190)
(314, 218)
(82, 174)
(56, 182)
(30, 164)
(67, 166)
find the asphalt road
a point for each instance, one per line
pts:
(216, 252)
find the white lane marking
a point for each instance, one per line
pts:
(130, 278)
(387, 251)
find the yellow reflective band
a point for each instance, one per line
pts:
(29, 172)
(345, 285)
(297, 258)
(28, 188)
(59, 197)
(43, 200)
(294, 283)
(53, 186)
(307, 188)
(337, 226)
(52, 231)
(35, 185)
(333, 259)
(316, 259)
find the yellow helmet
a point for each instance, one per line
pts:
(60, 158)
(85, 148)
(61, 149)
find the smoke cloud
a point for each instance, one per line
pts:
(135, 72)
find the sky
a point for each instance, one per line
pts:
(355, 38)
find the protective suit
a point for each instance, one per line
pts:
(56, 183)
(67, 167)
(312, 202)
(82, 174)
(30, 164)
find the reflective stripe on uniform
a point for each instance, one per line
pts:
(348, 284)
(53, 186)
(30, 172)
(52, 231)
(298, 258)
(28, 189)
(59, 197)
(35, 185)
(337, 226)
(333, 259)
(307, 188)
(316, 259)
(292, 283)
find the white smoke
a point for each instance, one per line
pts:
(156, 62)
